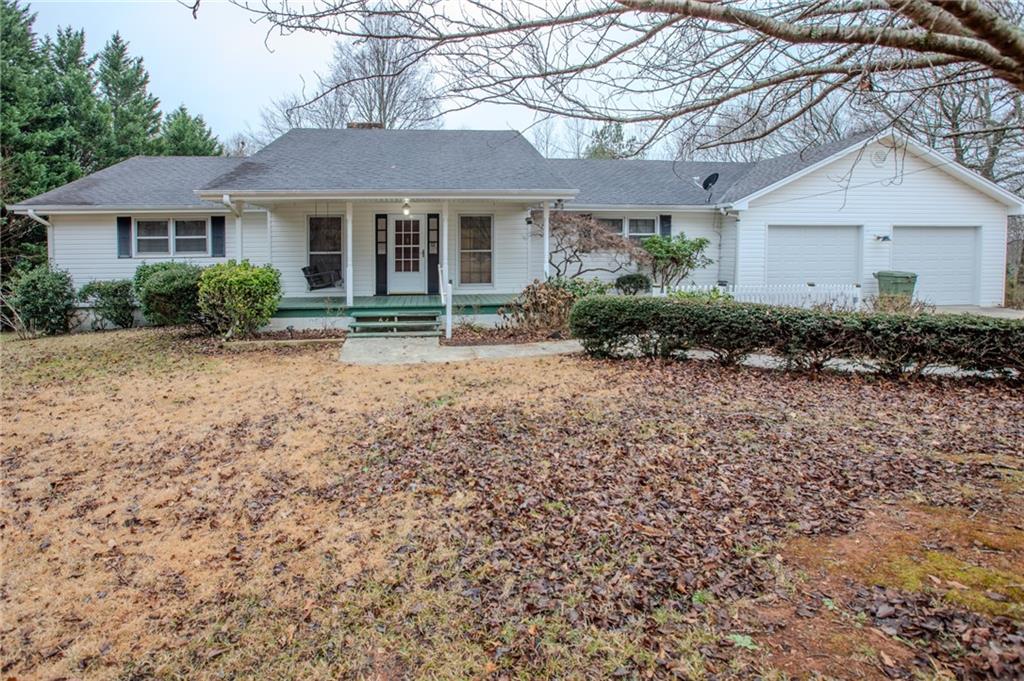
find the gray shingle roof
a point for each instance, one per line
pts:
(670, 183)
(141, 181)
(649, 183)
(423, 160)
(394, 160)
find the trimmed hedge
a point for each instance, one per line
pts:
(807, 339)
(168, 293)
(236, 299)
(111, 301)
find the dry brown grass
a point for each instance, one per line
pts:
(174, 510)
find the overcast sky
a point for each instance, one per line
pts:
(220, 65)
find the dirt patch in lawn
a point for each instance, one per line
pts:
(472, 334)
(175, 510)
(299, 334)
(914, 589)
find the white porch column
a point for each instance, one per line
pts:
(348, 254)
(547, 240)
(444, 242)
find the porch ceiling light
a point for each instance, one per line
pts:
(405, 207)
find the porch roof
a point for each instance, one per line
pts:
(393, 163)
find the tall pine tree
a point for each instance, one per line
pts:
(185, 135)
(31, 130)
(124, 84)
(86, 119)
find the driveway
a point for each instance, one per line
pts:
(1001, 312)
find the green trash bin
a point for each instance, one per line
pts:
(892, 283)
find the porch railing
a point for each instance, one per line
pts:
(834, 296)
(445, 289)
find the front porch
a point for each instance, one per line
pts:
(334, 306)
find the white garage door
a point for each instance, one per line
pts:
(944, 259)
(819, 255)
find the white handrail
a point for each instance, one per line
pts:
(445, 289)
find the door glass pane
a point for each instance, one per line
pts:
(407, 245)
(325, 234)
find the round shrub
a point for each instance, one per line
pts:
(44, 299)
(633, 284)
(236, 299)
(169, 293)
(111, 301)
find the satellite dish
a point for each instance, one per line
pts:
(709, 181)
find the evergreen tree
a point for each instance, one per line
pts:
(124, 84)
(86, 119)
(609, 141)
(185, 135)
(29, 130)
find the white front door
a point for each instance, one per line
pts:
(407, 254)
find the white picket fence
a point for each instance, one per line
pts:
(837, 297)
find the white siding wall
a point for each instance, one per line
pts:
(855, 191)
(727, 251)
(694, 224)
(510, 257)
(86, 245)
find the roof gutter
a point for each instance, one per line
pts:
(389, 195)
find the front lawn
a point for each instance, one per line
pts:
(173, 510)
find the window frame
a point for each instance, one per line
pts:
(170, 221)
(341, 243)
(459, 251)
(628, 228)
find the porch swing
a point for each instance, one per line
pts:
(321, 275)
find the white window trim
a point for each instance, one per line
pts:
(340, 251)
(171, 251)
(458, 249)
(627, 227)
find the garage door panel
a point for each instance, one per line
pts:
(944, 258)
(819, 254)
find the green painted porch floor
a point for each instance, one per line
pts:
(465, 303)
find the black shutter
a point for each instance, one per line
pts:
(433, 250)
(666, 226)
(380, 229)
(124, 236)
(217, 246)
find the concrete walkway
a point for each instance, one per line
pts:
(1000, 312)
(399, 350)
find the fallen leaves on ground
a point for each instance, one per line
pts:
(182, 511)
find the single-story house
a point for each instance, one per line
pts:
(383, 220)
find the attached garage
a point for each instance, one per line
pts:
(803, 254)
(945, 260)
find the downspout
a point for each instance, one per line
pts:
(49, 231)
(236, 210)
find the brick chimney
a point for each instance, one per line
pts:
(364, 125)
